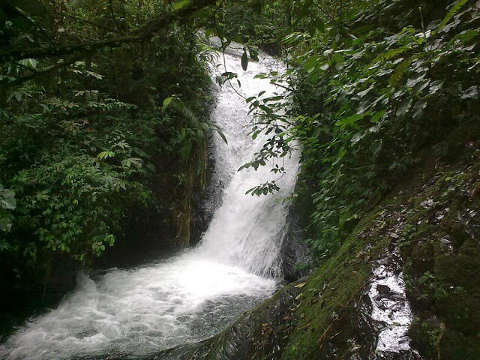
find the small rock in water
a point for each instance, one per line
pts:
(383, 289)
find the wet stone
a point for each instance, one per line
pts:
(383, 289)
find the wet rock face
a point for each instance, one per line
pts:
(442, 265)
(205, 203)
(295, 254)
(390, 314)
(375, 326)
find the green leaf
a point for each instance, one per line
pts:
(222, 135)
(310, 64)
(132, 162)
(105, 155)
(458, 5)
(377, 116)
(166, 102)
(405, 107)
(391, 54)
(415, 81)
(436, 86)
(350, 120)
(418, 109)
(178, 5)
(399, 72)
(470, 93)
(467, 35)
(244, 60)
(29, 63)
(362, 94)
(253, 53)
(5, 226)
(324, 67)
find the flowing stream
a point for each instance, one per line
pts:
(196, 293)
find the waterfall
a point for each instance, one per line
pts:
(192, 295)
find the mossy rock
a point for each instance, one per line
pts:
(326, 315)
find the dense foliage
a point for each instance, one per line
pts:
(89, 138)
(104, 122)
(373, 84)
(115, 92)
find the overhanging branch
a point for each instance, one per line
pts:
(49, 70)
(146, 32)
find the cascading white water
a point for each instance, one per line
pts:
(192, 295)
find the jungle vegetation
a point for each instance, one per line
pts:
(104, 107)
(104, 116)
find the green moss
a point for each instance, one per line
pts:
(441, 263)
(328, 295)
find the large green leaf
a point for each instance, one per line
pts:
(458, 5)
(244, 60)
(181, 4)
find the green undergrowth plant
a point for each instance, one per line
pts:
(366, 96)
(87, 141)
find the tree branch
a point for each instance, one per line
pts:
(144, 33)
(35, 74)
(42, 52)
